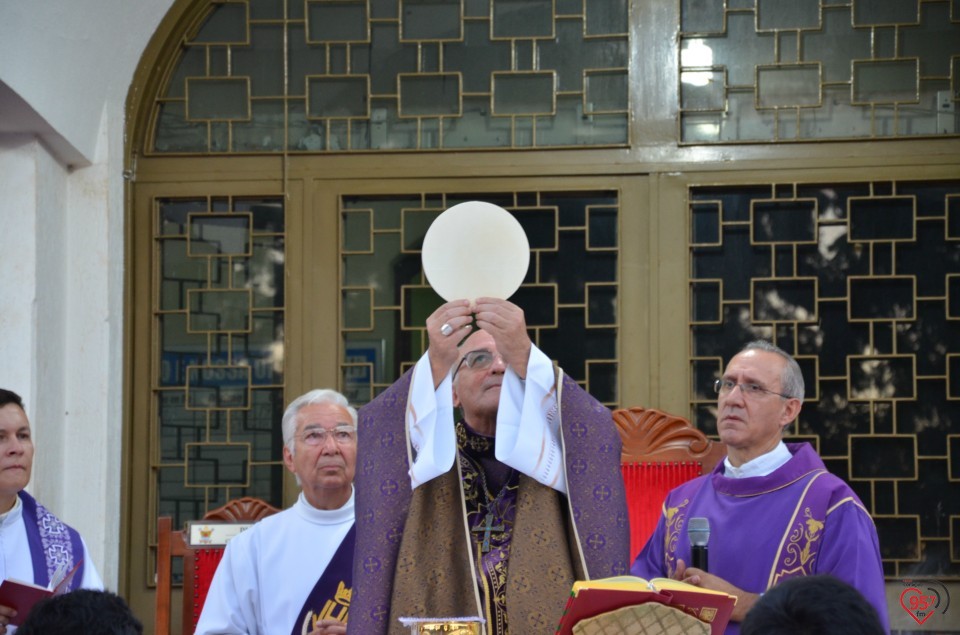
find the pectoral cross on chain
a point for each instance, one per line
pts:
(486, 527)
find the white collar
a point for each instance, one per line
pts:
(326, 516)
(13, 514)
(761, 466)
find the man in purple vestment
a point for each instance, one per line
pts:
(493, 516)
(774, 511)
(34, 544)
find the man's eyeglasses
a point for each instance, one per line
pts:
(477, 360)
(342, 435)
(725, 387)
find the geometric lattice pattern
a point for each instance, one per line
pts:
(353, 75)
(569, 295)
(859, 282)
(218, 368)
(774, 71)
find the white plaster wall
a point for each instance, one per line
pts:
(94, 302)
(17, 262)
(47, 404)
(85, 53)
(33, 193)
(62, 248)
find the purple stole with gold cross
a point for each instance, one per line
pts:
(330, 597)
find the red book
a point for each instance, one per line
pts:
(593, 597)
(21, 596)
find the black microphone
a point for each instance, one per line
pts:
(698, 531)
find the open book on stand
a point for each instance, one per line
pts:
(590, 598)
(21, 595)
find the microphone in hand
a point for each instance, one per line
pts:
(698, 531)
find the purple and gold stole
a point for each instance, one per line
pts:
(490, 491)
(802, 538)
(53, 544)
(330, 597)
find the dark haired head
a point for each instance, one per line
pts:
(8, 396)
(812, 605)
(82, 611)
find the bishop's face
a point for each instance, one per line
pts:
(476, 390)
(16, 453)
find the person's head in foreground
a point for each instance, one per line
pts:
(812, 605)
(84, 611)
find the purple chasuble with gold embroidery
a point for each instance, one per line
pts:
(799, 520)
(595, 507)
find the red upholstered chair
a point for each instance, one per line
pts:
(200, 554)
(660, 451)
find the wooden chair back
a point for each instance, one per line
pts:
(199, 561)
(660, 451)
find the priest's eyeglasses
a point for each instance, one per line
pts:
(477, 360)
(342, 435)
(725, 387)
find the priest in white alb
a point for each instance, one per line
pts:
(291, 572)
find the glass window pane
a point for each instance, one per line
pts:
(859, 295)
(863, 70)
(357, 76)
(220, 341)
(386, 298)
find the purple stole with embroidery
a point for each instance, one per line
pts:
(491, 512)
(52, 543)
(330, 597)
